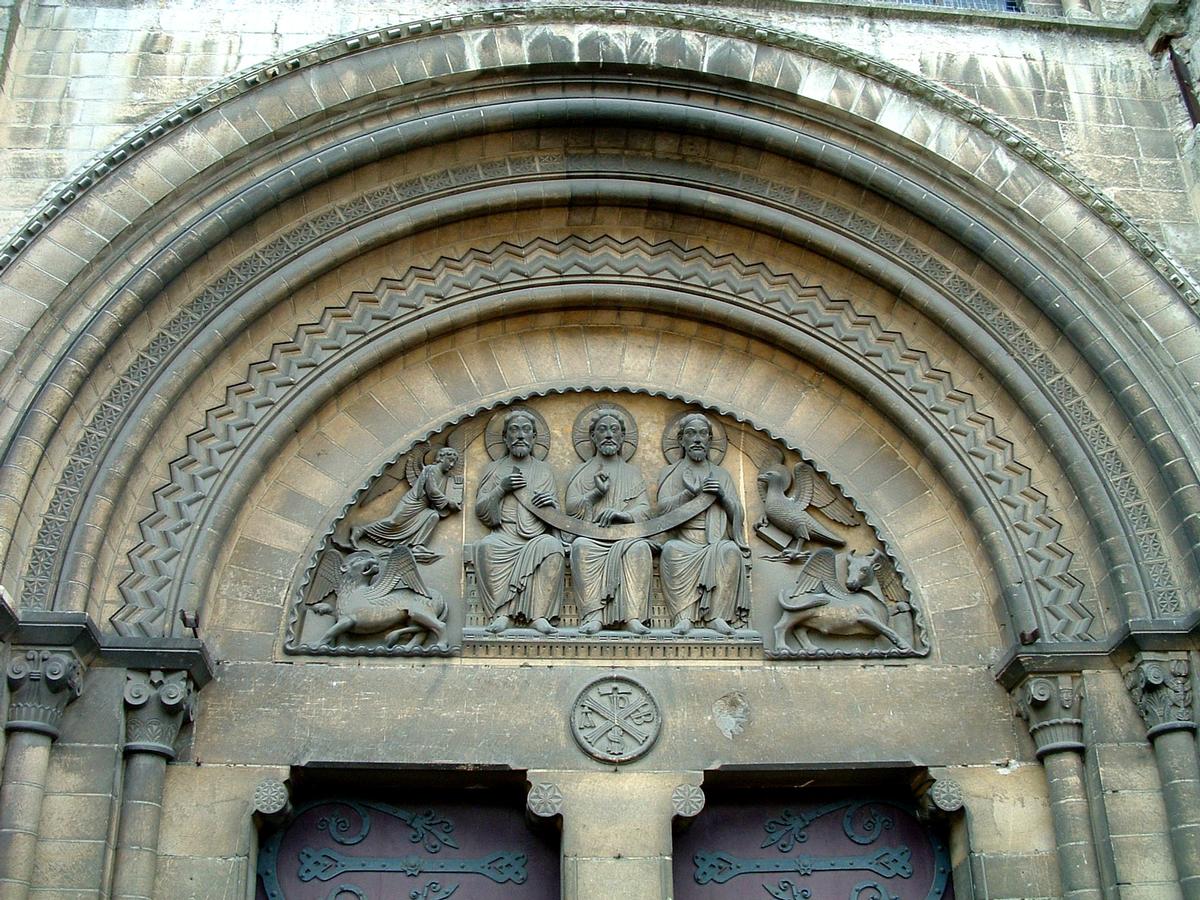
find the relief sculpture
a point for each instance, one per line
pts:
(436, 492)
(520, 564)
(613, 579)
(703, 567)
(371, 597)
(842, 594)
(576, 537)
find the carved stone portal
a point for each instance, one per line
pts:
(547, 526)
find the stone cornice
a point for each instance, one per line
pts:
(1139, 635)
(77, 632)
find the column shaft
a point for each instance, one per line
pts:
(137, 837)
(1077, 863)
(21, 795)
(1179, 770)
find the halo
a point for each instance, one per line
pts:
(493, 436)
(716, 449)
(582, 439)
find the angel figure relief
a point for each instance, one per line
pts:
(435, 492)
(367, 595)
(844, 594)
(787, 521)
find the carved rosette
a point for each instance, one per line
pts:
(272, 800)
(1162, 691)
(156, 705)
(687, 800)
(1052, 705)
(545, 800)
(41, 684)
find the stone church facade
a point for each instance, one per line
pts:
(599, 451)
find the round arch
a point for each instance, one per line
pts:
(288, 130)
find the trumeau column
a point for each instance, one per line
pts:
(616, 828)
(41, 684)
(1052, 707)
(156, 706)
(1161, 687)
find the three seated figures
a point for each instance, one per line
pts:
(612, 530)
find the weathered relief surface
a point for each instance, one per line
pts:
(599, 524)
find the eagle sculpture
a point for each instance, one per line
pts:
(787, 522)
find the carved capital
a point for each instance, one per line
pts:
(156, 705)
(1161, 688)
(41, 683)
(1052, 705)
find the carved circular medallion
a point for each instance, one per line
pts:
(270, 796)
(581, 433)
(493, 437)
(545, 800)
(716, 448)
(687, 800)
(946, 795)
(615, 719)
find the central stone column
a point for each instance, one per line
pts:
(616, 829)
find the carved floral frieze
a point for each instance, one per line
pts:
(603, 524)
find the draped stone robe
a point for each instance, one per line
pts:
(520, 548)
(703, 572)
(614, 576)
(419, 510)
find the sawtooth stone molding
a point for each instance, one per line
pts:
(1056, 597)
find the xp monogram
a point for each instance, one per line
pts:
(615, 719)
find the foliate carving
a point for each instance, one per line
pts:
(839, 595)
(687, 800)
(366, 595)
(1162, 691)
(545, 800)
(156, 706)
(615, 719)
(1052, 707)
(41, 683)
(787, 521)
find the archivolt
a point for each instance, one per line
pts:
(990, 215)
(993, 487)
